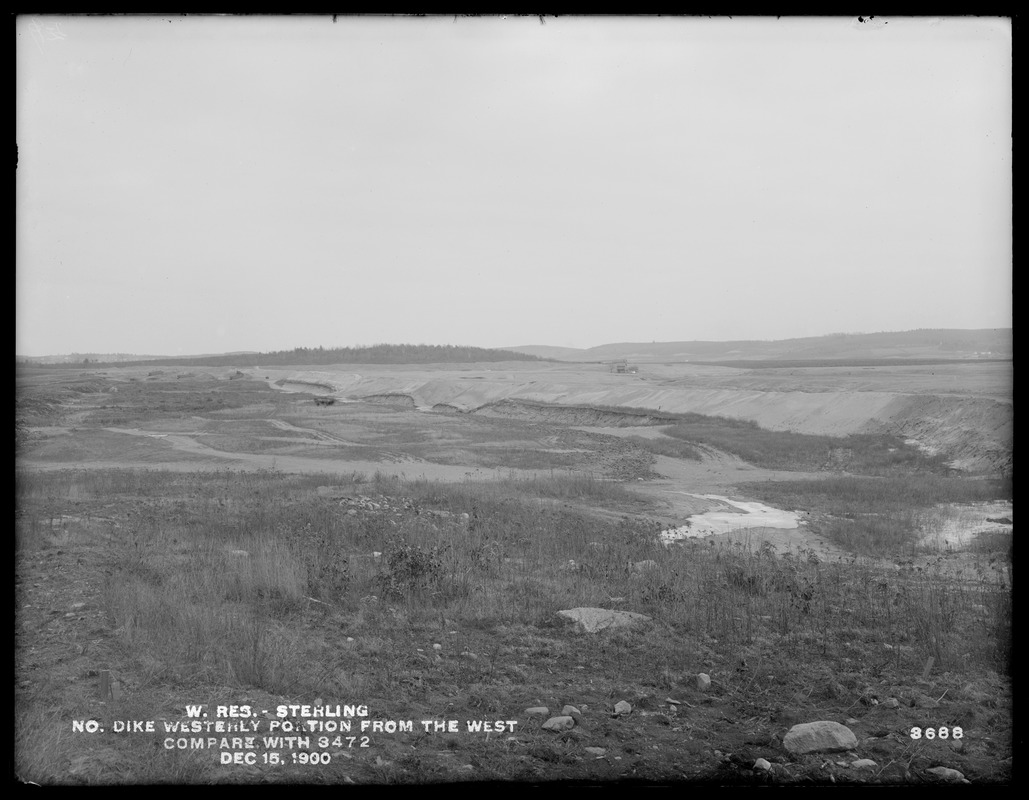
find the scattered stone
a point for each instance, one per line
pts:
(437, 647)
(863, 763)
(703, 682)
(850, 721)
(891, 702)
(573, 712)
(537, 711)
(946, 774)
(762, 764)
(595, 751)
(957, 745)
(817, 737)
(77, 606)
(558, 724)
(622, 708)
(591, 620)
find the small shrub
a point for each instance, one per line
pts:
(411, 569)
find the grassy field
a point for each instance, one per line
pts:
(860, 453)
(429, 602)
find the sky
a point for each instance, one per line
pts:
(192, 185)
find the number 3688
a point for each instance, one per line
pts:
(937, 733)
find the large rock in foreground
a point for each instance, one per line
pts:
(591, 620)
(819, 737)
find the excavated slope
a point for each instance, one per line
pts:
(975, 431)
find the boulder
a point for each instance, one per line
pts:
(946, 774)
(591, 620)
(558, 724)
(819, 737)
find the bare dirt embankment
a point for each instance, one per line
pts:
(964, 412)
(309, 387)
(976, 433)
(573, 415)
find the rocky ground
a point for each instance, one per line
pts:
(588, 702)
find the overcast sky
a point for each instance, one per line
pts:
(211, 184)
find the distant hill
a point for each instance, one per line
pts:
(926, 343)
(78, 358)
(309, 356)
(945, 343)
(114, 358)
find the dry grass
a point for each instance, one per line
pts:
(859, 453)
(181, 593)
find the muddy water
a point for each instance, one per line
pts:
(727, 520)
(731, 516)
